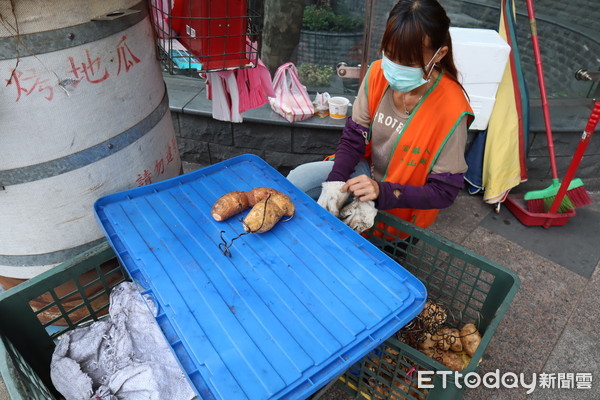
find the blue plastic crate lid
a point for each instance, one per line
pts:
(288, 311)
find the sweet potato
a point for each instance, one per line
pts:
(400, 389)
(234, 203)
(448, 339)
(470, 339)
(259, 193)
(440, 340)
(452, 360)
(427, 342)
(465, 357)
(229, 204)
(266, 213)
(433, 314)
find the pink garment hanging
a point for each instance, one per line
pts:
(255, 86)
(233, 92)
(222, 90)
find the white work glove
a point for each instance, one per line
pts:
(359, 215)
(332, 198)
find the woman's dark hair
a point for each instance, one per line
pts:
(410, 24)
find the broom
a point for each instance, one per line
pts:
(539, 201)
(580, 195)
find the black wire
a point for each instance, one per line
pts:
(224, 247)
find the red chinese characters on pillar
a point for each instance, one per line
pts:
(169, 156)
(28, 83)
(171, 148)
(85, 68)
(126, 57)
(159, 166)
(90, 70)
(145, 178)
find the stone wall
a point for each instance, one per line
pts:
(206, 141)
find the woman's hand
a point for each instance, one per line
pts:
(362, 187)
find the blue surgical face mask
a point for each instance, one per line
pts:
(404, 79)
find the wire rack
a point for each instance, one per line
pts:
(194, 36)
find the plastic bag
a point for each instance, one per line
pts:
(321, 104)
(291, 101)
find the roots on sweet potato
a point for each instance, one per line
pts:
(266, 213)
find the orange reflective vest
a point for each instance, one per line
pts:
(422, 138)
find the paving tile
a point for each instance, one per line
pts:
(456, 222)
(3, 391)
(190, 167)
(586, 315)
(335, 393)
(538, 313)
(595, 196)
(482, 393)
(576, 352)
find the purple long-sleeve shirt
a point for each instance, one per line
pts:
(439, 190)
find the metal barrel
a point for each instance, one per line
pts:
(83, 113)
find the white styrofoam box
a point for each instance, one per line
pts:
(482, 108)
(481, 89)
(480, 56)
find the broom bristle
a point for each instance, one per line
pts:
(579, 197)
(535, 206)
(565, 205)
(540, 201)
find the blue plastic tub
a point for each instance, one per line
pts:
(291, 308)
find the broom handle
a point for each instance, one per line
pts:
(542, 84)
(583, 143)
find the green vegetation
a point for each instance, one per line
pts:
(314, 74)
(325, 19)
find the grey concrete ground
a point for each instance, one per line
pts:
(3, 392)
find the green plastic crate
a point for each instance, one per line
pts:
(26, 347)
(472, 289)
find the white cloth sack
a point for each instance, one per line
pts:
(291, 99)
(125, 357)
(222, 90)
